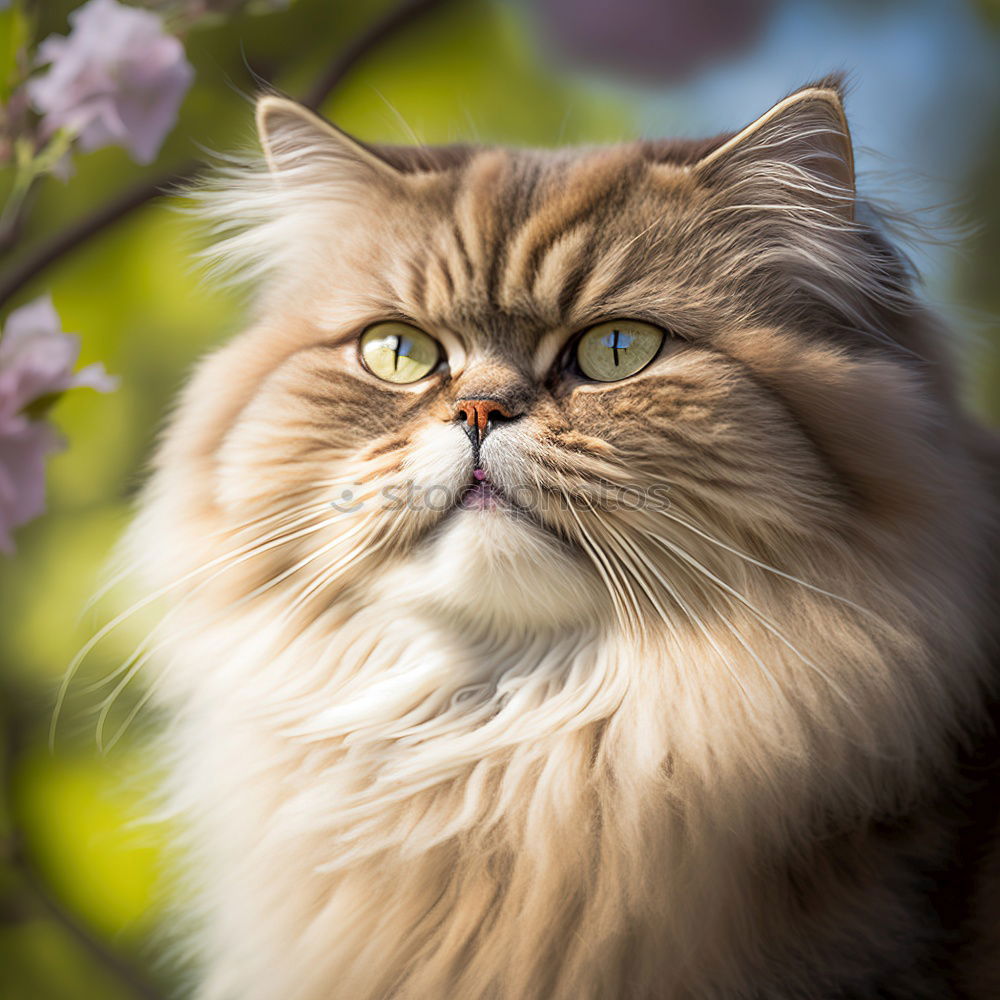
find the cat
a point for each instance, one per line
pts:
(579, 580)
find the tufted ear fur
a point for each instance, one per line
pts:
(800, 149)
(300, 145)
(263, 209)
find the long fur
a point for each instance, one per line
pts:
(698, 747)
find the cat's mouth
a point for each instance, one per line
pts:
(520, 503)
(482, 494)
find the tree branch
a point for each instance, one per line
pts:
(381, 31)
(69, 239)
(63, 243)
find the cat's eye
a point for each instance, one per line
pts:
(398, 352)
(612, 351)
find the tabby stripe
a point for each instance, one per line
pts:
(535, 257)
(418, 284)
(463, 251)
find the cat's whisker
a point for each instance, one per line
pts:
(244, 552)
(619, 540)
(329, 574)
(133, 714)
(600, 562)
(145, 651)
(306, 560)
(103, 590)
(764, 620)
(766, 566)
(277, 517)
(109, 702)
(615, 537)
(112, 675)
(731, 628)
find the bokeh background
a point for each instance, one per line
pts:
(85, 889)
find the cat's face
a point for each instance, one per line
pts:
(617, 365)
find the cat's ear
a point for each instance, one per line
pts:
(300, 145)
(802, 146)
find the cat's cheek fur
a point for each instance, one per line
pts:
(883, 435)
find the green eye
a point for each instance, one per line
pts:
(612, 351)
(398, 352)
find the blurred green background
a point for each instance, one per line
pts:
(83, 883)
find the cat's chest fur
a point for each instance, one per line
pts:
(400, 807)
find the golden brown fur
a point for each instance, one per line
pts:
(701, 749)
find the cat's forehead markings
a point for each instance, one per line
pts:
(525, 222)
(528, 248)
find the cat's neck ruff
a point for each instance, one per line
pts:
(408, 761)
(407, 702)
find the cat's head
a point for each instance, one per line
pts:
(535, 386)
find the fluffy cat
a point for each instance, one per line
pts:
(579, 579)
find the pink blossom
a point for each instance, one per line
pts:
(36, 362)
(117, 79)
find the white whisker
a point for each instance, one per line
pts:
(759, 615)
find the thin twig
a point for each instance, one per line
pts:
(63, 243)
(381, 31)
(107, 215)
(11, 229)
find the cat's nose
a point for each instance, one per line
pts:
(480, 415)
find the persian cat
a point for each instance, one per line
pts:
(579, 580)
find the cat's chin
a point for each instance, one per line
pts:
(494, 564)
